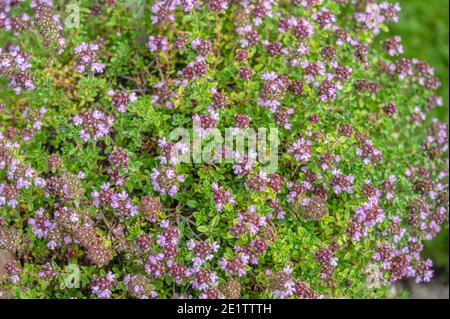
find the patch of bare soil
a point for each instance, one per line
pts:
(5, 256)
(438, 288)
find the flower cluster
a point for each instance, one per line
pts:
(102, 286)
(121, 99)
(204, 123)
(367, 215)
(234, 265)
(88, 59)
(282, 282)
(119, 166)
(157, 43)
(171, 153)
(324, 257)
(367, 151)
(203, 251)
(162, 95)
(272, 90)
(150, 207)
(203, 279)
(248, 222)
(120, 203)
(68, 221)
(94, 124)
(139, 287)
(301, 150)
(19, 175)
(221, 197)
(50, 27)
(14, 67)
(194, 69)
(166, 180)
(13, 271)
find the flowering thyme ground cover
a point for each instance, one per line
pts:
(97, 200)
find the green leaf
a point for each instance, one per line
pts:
(192, 203)
(215, 221)
(202, 229)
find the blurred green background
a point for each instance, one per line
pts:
(424, 28)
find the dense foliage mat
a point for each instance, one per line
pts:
(118, 178)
